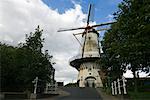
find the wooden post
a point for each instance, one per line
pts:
(35, 85)
(124, 85)
(115, 87)
(33, 95)
(112, 88)
(119, 90)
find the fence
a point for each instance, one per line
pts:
(117, 85)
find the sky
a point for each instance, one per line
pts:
(20, 17)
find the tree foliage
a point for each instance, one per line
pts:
(20, 65)
(127, 42)
(34, 41)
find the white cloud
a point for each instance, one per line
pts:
(110, 17)
(20, 17)
(129, 74)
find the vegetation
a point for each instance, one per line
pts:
(71, 85)
(140, 96)
(20, 65)
(126, 44)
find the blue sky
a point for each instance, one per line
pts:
(102, 8)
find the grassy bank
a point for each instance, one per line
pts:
(139, 95)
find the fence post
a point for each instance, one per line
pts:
(124, 85)
(119, 90)
(33, 96)
(112, 88)
(115, 87)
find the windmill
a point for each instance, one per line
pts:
(85, 61)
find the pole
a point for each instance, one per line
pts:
(112, 88)
(35, 85)
(119, 90)
(124, 85)
(115, 87)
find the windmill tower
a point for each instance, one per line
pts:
(85, 61)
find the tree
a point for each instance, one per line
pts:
(39, 63)
(34, 41)
(9, 70)
(128, 39)
(20, 65)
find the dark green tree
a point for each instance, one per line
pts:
(39, 63)
(128, 39)
(9, 69)
(35, 41)
(20, 65)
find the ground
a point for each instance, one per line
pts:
(76, 93)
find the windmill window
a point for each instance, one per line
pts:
(90, 55)
(89, 38)
(89, 69)
(89, 73)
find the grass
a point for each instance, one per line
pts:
(131, 95)
(139, 95)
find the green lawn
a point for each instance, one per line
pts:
(139, 95)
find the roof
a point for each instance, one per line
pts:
(78, 61)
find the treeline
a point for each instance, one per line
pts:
(21, 64)
(126, 45)
(71, 85)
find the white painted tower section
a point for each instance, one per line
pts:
(85, 62)
(91, 47)
(89, 76)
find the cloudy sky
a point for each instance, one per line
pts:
(20, 17)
